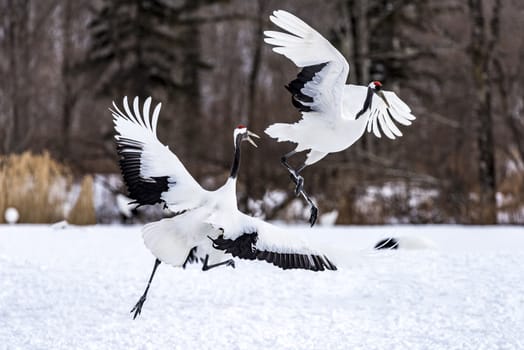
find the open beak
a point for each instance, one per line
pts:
(249, 134)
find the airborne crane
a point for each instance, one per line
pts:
(334, 114)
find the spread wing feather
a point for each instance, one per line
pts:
(254, 239)
(319, 86)
(152, 173)
(385, 109)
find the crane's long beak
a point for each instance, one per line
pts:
(249, 134)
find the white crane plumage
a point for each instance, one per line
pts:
(207, 225)
(334, 114)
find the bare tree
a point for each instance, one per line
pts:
(18, 71)
(484, 36)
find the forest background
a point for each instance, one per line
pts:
(458, 64)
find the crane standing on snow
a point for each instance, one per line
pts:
(207, 225)
(334, 115)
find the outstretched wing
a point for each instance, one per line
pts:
(152, 173)
(319, 86)
(255, 239)
(384, 109)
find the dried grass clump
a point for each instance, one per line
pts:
(36, 185)
(83, 212)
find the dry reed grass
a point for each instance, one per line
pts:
(36, 185)
(83, 212)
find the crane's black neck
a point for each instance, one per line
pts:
(367, 103)
(236, 160)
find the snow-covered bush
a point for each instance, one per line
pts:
(11, 215)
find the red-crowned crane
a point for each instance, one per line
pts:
(207, 225)
(334, 114)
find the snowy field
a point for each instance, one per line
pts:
(74, 288)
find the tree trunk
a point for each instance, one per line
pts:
(362, 60)
(359, 69)
(481, 53)
(251, 97)
(190, 98)
(67, 99)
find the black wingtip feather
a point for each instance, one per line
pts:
(244, 247)
(143, 191)
(387, 243)
(295, 86)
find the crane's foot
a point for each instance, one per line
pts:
(206, 267)
(313, 216)
(137, 309)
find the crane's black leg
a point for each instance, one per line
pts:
(206, 267)
(299, 182)
(137, 309)
(297, 179)
(284, 162)
(191, 257)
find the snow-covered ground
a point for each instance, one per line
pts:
(74, 288)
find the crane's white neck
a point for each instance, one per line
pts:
(229, 193)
